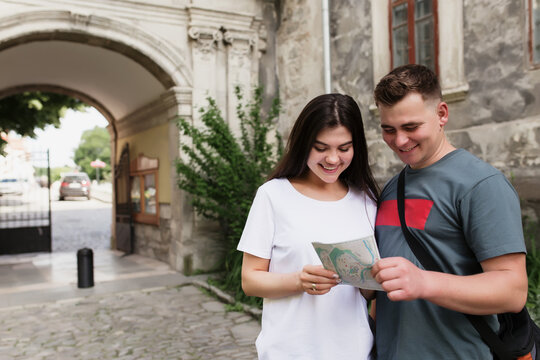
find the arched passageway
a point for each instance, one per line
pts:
(126, 74)
(142, 65)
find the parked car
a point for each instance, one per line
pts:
(75, 184)
(11, 186)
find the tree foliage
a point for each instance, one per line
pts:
(56, 172)
(95, 144)
(223, 172)
(25, 112)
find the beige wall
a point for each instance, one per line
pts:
(153, 142)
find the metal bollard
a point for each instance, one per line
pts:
(85, 268)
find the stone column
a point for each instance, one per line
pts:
(223, 56)
(240, 64)
(204, 60)
(199, 245)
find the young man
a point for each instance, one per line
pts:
(466, 214)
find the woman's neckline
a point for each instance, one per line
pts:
(295, 190)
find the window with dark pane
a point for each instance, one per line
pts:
(424, 32)
(400, 35)
(413, 27)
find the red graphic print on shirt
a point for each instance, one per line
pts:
(416, 213)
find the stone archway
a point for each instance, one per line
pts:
(90, 57)
(144, 64)
(156, 56)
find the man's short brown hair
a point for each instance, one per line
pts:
(406, 79)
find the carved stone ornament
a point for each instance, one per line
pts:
(81, 20)
(241, 43)
(206, 39)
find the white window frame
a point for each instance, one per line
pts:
(451, 61)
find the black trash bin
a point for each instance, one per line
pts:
(85, 268)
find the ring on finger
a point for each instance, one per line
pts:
(314, 287)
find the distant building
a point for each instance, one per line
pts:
(16, 163)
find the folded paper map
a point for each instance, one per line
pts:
(351, 260)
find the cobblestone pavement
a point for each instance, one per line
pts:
(181, 322)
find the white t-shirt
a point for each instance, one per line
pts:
(281, 225)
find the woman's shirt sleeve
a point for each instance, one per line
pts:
(258, 235)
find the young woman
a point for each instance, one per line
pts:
(322, 190)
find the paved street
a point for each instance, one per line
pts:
(162, 323)
(139, 307)
(78, 223)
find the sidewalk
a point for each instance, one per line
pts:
(41, 277)
(138, 309)
(102, 191)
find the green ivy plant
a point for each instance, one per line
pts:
(530, 231)
(222, 172)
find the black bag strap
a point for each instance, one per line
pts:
(479, 323)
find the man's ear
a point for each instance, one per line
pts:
(442, 113)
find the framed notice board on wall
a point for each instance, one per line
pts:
(143, 171)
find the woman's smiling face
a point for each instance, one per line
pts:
(331, 154)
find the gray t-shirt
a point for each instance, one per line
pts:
(464, 211)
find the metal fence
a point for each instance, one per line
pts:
(25, 206)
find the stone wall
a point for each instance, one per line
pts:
(500, 119)
(155, 241)
(497, 119)
(351, 53)
(299, 57)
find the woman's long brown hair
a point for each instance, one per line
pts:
(328, 111)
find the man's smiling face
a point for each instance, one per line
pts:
(412, 128)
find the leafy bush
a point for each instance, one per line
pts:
(222, 172)
(530, 230)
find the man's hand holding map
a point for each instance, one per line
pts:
(351, 260)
